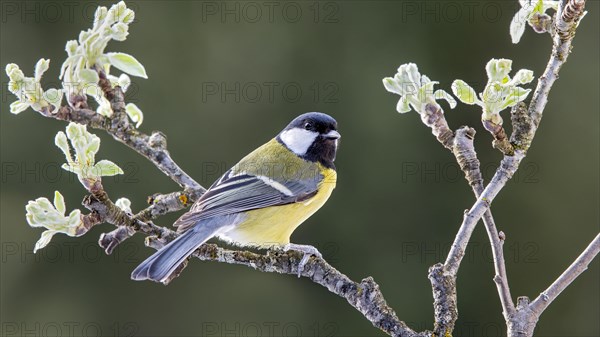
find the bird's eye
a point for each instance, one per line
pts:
(308, 126)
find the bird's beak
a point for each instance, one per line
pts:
(332, 135)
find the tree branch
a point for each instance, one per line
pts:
(464, 151)
(524, 125)
(522, 320)
(567, 277)
(522, 323)
(365, 296)
(566, 20)
(161, 204)
(460, 143)
(507, 168)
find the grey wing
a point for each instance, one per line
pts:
(243, 192)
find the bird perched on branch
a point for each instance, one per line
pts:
(261, 200)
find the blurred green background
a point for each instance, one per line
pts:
(224, 77)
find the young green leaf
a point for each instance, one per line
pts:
(59, 202)
(88, 76)
(41, 213)
(40, 68)
(17, 107)
(44, 240)
(60, 140)
(529, 12)
(500, 92)
(442, 94)
(127, 63)
(498, 69)
(464, 92)
(517, 95)
(135, 114)
(54, 97)
(391, 85)
(416, 90)
(14, 72)
(523, 76)
(403, 105)
(106, 168)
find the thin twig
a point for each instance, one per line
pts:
(161, 204)
(567, 277)
(524, 128)
(560, 52)
(501, 277)
(460, 143)
(464, 148)
(523, 133)
(508, 167)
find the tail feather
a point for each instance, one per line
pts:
(163, 263)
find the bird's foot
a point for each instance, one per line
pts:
(308, 252)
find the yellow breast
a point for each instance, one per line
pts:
(274, 225)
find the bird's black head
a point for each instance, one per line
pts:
(312, 136)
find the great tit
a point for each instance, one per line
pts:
(261, 200)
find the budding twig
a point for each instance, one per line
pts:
(460, 143)
(522, 321)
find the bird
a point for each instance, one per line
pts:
(261, 200)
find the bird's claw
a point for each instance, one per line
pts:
(308, 252)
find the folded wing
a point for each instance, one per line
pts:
(235, 193)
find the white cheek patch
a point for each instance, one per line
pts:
(298, 140)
